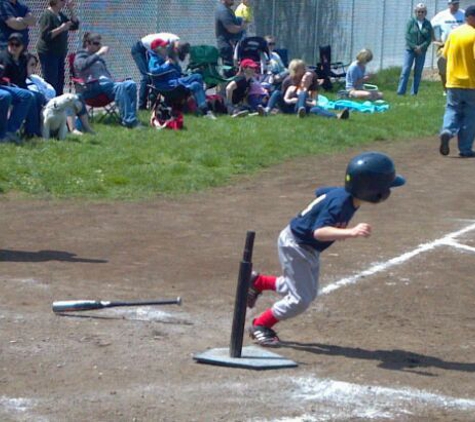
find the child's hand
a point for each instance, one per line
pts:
(361, 230)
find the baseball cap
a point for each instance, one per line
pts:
(17, 37)
(158, 43)
(470, 11)
(452, 1)
(249, 63)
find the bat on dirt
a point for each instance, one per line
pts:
(87, 305)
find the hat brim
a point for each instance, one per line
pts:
(398, 181)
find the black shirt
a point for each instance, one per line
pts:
(15, 71)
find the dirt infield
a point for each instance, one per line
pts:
(387, 342)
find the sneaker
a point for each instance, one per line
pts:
(76, 132)
(302, 112)
(241, 113)
(444, 142)
(262, 111)
(470, 154)
(344, 114)
(210, 115)
(13, 137)
(264, 336)
(252, 293)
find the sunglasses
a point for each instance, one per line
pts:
(14, 44)
(422, 11)
(271, 43)
(96, 43)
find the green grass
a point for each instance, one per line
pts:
(119, 163)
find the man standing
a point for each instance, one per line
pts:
(443, 23)
(228, 31)
(14, 17)
(459, 117)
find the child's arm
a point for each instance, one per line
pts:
(330, 234)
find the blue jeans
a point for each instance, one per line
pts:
(320, 111)
(194, 83)
(53, 70)
(139, 54)
(33, 118)
(123, 93)
(276, 100)
(410, 58)
(459, 117)
(22, 101)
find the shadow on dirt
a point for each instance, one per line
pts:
(42, 256)
(396, 360)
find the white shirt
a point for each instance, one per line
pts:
(446, 22)
(165, 36)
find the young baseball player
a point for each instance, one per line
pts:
(369, 179)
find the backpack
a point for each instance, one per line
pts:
(165, 117)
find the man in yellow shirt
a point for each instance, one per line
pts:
(459, 117)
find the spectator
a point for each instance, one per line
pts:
(301, 94)
(140, 52)
(164, 65)
(419, 35)
(52, 44)
(90, 65)
(15, 17)
(36, 83)
(15, 61)
(237, 91)
(228, 32)
(459, 117)
(14, 106)
(245, 12)
(276, 65)
(356, 77)
(443, 23)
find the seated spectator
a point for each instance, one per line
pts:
(15, 63)
(14, 105)
(36, 83)
(90, 65)
(275, 67)
(237, 91)
(305, 97)
(167, 74)
(140, 52)
(356, 77)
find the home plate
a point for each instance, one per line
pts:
(251, 358)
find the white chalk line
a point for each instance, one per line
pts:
(368, 402)
(447, 240)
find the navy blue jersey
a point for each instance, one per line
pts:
(332, 207)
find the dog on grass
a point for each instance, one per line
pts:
(55, 113)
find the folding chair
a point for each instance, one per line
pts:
(204, 59)
(329, 71)
(101, 101)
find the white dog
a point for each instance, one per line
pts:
(55, 112)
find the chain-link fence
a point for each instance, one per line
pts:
(300, 26)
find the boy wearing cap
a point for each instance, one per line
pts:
(237, 91)
(459, 117)
(443, 23)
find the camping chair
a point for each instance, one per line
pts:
(254, 48)
(329, 71)
(101, 101)
(204, 59)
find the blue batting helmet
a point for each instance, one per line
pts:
(370, 177)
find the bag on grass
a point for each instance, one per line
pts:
(164, 117)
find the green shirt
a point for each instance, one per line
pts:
(57, 46)
(418, 37)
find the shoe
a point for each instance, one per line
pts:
(13, 137)
(242, 113)
(252, 293)
(76, 132)
(470, 154)
(302, 112)
(262, 111)
(444, 142)
(344, 114)
(264, 336)
(210, 115)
